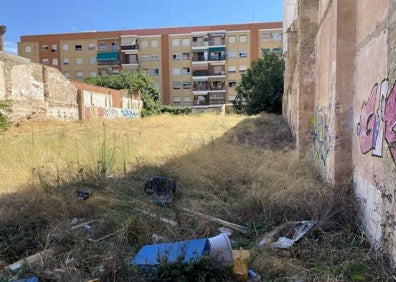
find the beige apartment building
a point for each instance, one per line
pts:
(191, 66)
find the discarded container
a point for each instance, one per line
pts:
(184, 251)
(30, 279)
(240, 268)
(220, 250)
(253, 276)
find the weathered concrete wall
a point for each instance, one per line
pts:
(100, 102)
(352, 104)
(41, 92)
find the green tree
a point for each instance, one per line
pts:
(132, 80)
(5, 111)
(261, 87)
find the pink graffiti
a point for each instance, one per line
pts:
(390, 122)
(373, 124)
(367, 122)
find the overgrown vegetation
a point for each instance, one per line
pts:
(241, 169)
(5, 111)
(138, 81)
(261, 87)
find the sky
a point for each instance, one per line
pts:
(35, 17)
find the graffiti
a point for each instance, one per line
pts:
(377, 124)
(110, 113)
(320, 136)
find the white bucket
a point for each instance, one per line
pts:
(220, 249)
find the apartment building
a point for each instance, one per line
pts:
(191, 66)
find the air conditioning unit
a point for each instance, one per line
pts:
(196, 102)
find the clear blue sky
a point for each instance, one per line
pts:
(31, 17)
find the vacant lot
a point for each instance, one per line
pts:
(242, 170)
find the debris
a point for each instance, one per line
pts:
(30, 260)
(240, 268)
(221, 250)
(253, 276)
(185, 251)
(170, 222)
(234, 226)
(30, 279)
(295, 230)
(104, 237)
(159, 189)
(225, 230)
(82, 195)
(84, 224)
(157, 238)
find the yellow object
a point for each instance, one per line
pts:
(240, 268)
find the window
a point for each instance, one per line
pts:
(156, 85)
(92, 74)
(28, 49)
(146, 71)
(277, 36)
(231, 69)
(186, 42)
(176, 100)
(231, 39)
(231, 54)
(91, 46)
(102, 46)
(144, 58)
(78, 47)
(186, 56)
(45, 62)
(277, 51)
(186, 71)
(231, 83)
(79, 74)
(155, 72)
(154, 57)
(242, 69)
(144, 44)
(242, 38)
(114, 46)
(79, 61)
(266, 37)
(44, 47)
(186, 84)
(242, 54)
(65, 61)
(54, 48)
(175, 56)
(66, 74)
(187, 100)
(54, 61)
(265, 51)
(65, 47)
(176, 71)
(92, 60)
(176, 85)
(175, 42)
(154, 43)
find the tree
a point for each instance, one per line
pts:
(261, 87)
(5, 110)
(132, 81)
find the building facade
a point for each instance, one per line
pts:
(191, 66)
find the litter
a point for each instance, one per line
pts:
(170, 222)
(159, 189)
(295, 230)
(240, 268)
(82, 195)
(185, 251)
(30, 260)
(234, 226)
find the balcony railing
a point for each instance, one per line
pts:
(129, 47)
(108, 63)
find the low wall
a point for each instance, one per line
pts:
(39, 92)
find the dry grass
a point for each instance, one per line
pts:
(240, 169)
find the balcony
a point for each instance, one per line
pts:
(125, 48)
(108, 58)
